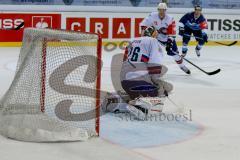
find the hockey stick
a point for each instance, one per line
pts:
(179, 108)
(228, 45)
(208, 73)
(17, 28)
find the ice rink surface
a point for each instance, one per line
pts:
(214, 133)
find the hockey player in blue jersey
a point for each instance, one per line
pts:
(193, 23)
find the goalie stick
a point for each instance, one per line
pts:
(208, 73)
(17, 28)
(179, 108)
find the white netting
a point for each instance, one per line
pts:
(54, 93)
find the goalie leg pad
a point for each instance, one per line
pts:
(115, 103)
(163, 71)
(143, 107)
(139, 107)
(164, 87)
(139, 88)
(148, 105)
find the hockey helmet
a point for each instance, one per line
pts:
(162, 6)
(197, 7)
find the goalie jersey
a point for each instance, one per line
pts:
(141, 54)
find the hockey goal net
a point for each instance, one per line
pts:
(56, 89)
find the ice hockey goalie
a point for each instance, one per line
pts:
(140, 76)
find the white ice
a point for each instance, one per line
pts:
(214, 101)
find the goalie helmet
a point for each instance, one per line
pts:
(162, 6)
(149, 31)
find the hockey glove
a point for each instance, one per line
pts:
(169, 44)
(193, 26)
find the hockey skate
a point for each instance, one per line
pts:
(185, 69)
(197, 51)
(184, 52)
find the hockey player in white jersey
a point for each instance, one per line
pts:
(141, 77)
(166, 28)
